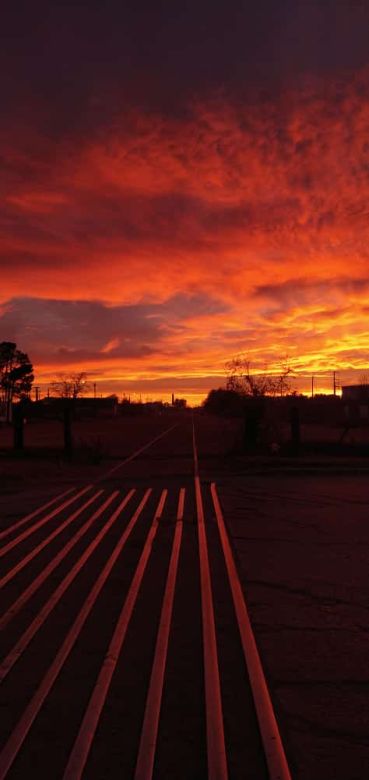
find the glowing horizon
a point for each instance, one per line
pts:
(155, 247)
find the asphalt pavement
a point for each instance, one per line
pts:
(100, 657)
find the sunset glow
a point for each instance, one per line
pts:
(150, 247)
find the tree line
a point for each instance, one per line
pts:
(17, 377)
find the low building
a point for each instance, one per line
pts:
(356, 403)
(83, 407)
(358, 393)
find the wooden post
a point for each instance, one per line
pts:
(253, 414)
(68, 437)
(295, 429)
(18, 427)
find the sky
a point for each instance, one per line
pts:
(183, 183)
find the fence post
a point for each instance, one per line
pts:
(18, 427)
(295, 429)
(68, 437)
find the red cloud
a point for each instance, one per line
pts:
(228, 199)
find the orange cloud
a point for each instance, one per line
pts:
(261, 207)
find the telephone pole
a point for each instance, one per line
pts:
(312, 386)
(334, 383)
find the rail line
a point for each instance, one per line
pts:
(41, 546)
(216, 750)
(24, 724)
(24, 535)
(55, 597)
(142, 534)
(273, 747)
(90, 721)
(136, 453)
(45, 573)
(146, 751)
(14, 526)
(31, 515)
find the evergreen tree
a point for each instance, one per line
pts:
(16, 375)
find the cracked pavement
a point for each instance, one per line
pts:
(302, 549)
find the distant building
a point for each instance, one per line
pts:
(153, 407)
(179, 403)
(356, 393)
(84, 406)
(356, 402)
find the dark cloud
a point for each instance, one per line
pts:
(87, 59)
(300, 290)
(77, 331)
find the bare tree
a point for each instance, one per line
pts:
(243, 380)
(284, 377)
(71, 385)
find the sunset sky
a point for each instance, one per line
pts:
(182, 182)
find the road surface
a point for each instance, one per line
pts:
(125, 646)
(125, 636)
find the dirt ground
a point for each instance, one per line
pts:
(112, 436)
(42, 469)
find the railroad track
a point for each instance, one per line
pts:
(127, 650)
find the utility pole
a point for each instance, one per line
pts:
(334, 383)
(37, 391)
(94, 389)
(312, 386)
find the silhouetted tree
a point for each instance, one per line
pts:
(224, 402)
(71, 385)
(243, 380)
(16, 375)
(254, 389)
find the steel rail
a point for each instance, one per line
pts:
(17, 650)
(216, 750)
(83, 742)
(25, 534)
(33, 514)
(147, 747)
(18, 735)
(273, 747)
(41, 546)
(40, 579)
(136, 453)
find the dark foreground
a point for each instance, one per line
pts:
(301, 546)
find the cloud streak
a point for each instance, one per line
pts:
(235, 226)
(91, 332)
